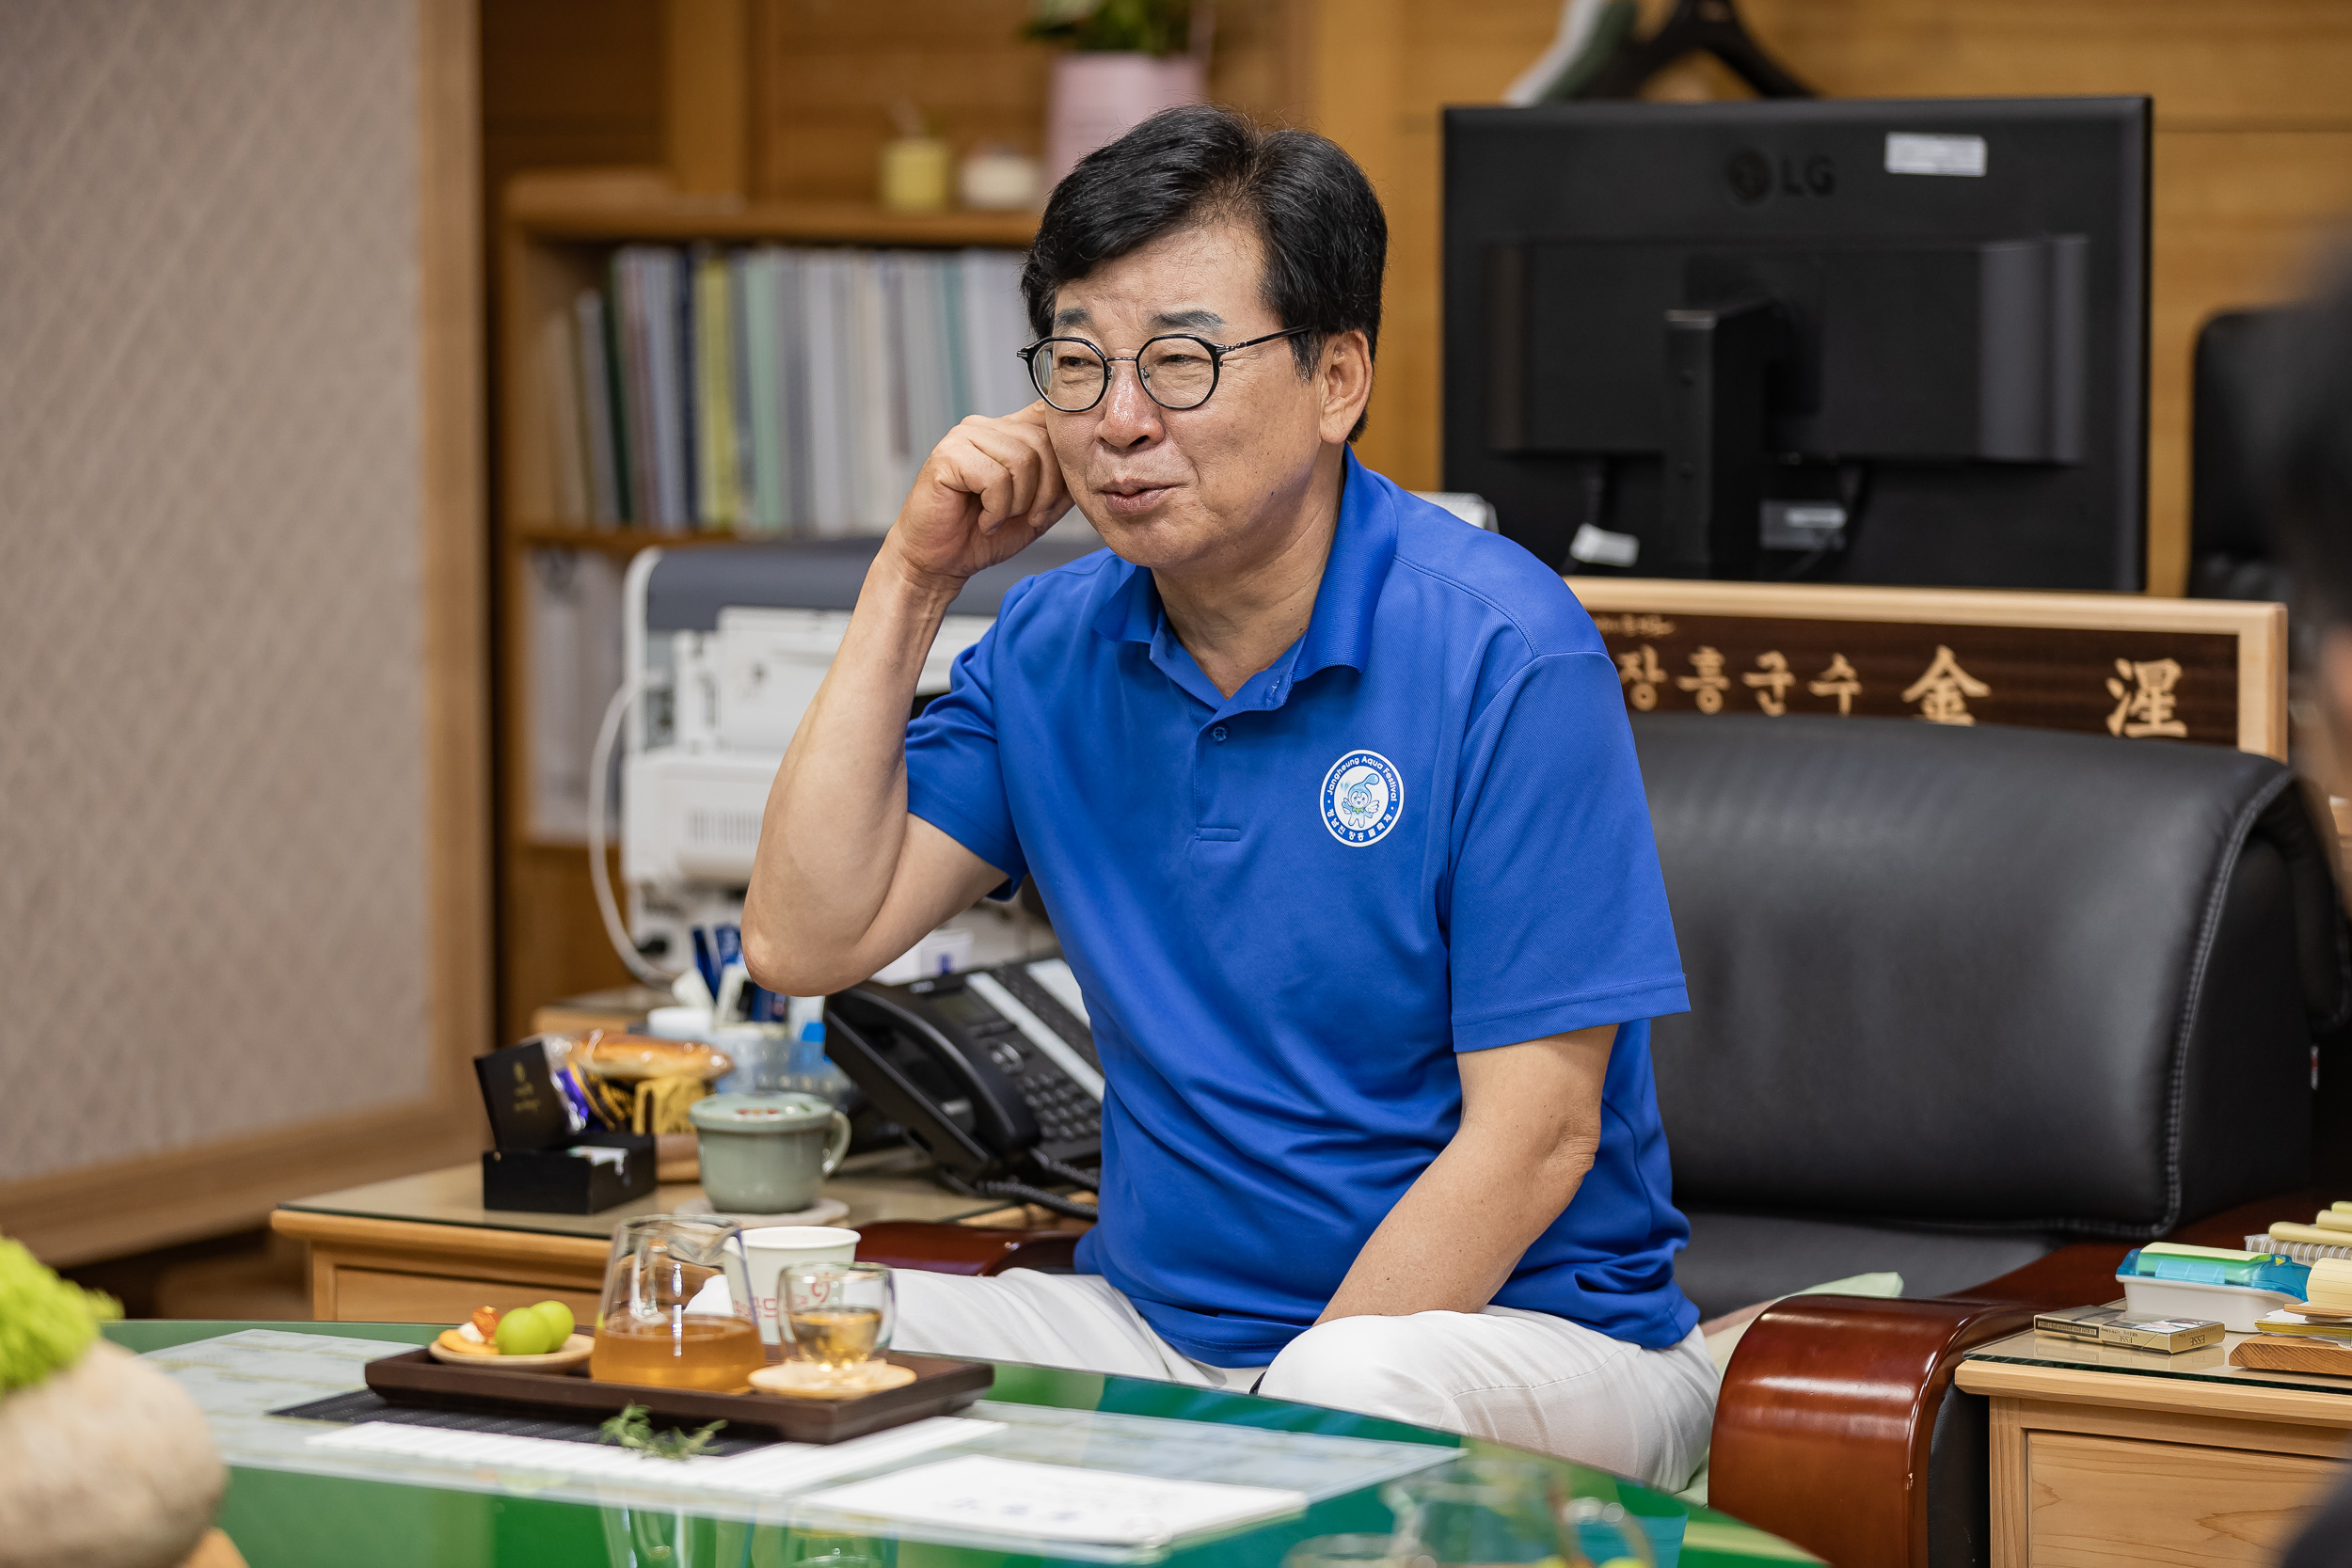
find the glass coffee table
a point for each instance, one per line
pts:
(294, 1502)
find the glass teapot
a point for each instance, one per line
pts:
(676, 1311)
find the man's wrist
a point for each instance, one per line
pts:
(924, 591)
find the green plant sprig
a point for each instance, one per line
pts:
(632, 1430)
(1160, 27)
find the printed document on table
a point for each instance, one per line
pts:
(989, 1496)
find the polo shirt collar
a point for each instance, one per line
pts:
(1339, 630)
(1362, 547)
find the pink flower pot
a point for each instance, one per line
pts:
(1098, 97)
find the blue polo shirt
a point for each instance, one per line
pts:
(1420, 831)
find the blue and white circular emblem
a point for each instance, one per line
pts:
(1362, 796)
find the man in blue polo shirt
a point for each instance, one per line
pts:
(1334, 806)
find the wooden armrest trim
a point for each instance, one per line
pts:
(1822, 1424)
(939, 1246)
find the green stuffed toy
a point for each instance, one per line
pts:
(104, 1460)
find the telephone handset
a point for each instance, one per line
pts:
(992, 1074)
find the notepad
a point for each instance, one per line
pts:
(1055, 1502)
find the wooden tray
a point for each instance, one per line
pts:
(2294, 1353)
(940, 1387)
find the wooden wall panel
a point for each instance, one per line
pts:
(825, 77)
(2272, 62)
(2252, 160)
(824, 73)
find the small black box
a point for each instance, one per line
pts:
(558, 1181)
(534, 1168)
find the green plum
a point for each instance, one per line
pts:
(560, 1316)
(526, 1331)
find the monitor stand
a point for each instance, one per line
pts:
(1718, 357)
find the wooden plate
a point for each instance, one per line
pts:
(940, 1387)
(2281, 1353)
(575, 1351)
(2318, 1314)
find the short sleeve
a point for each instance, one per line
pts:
(1557, 912)
(955, 772)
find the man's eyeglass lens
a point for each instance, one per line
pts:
(1071, 373)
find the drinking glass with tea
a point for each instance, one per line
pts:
(840, 1316)
(677, 1306)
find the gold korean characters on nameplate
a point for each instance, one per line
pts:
(2142, 695)
(2126, 681)
(1641, 675)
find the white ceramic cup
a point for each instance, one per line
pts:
(772, 1247)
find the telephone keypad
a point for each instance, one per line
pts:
(1065, 1112)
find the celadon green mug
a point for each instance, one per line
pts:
(765, 1153)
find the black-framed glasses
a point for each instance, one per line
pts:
(1178, 369)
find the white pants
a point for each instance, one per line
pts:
(1517, 1377)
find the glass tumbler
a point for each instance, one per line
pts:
(839, 1315)
(1477, 1510)
(678, 1311)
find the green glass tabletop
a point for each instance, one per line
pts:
(285, 1518)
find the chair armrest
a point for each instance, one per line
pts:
(1829, 1407)
(1825, 1415)
(938, 1248)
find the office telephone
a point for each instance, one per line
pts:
(992, 1074)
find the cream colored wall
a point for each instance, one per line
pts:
(213, 914)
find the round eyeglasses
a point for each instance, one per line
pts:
(1178, 370)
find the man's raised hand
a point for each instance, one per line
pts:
(987, 490)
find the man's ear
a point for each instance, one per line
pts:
(1345, 380)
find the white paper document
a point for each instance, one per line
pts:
(1055, 1502)
(770, 1471)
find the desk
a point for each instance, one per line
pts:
(422, 1249)
(2105, 1454)
(281, 1518)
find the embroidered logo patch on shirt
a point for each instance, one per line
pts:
(1362, 796)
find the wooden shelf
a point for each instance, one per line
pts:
(628, 541)
(642, 204)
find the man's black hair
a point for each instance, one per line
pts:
(1325, 239)
(2310, 450)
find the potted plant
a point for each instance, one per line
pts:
(1126, 61)
(104, 1461)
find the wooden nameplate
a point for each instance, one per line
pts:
(2294, 1353)
(938, 1388)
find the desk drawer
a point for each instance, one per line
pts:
(380, 1295)
(2096, 1501)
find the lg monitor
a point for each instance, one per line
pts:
(1829, 340)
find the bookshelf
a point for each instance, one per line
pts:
(557, 234)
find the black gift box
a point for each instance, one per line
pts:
(533, 1169)
(556, 1182)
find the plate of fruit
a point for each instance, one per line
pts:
(533, 1339)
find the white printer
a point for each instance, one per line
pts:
(723, 648)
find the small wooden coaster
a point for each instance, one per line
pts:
(806, 1379)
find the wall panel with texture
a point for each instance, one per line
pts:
(218, 507)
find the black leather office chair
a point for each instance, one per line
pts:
(1960, 998)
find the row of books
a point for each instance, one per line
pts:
(774, 390)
